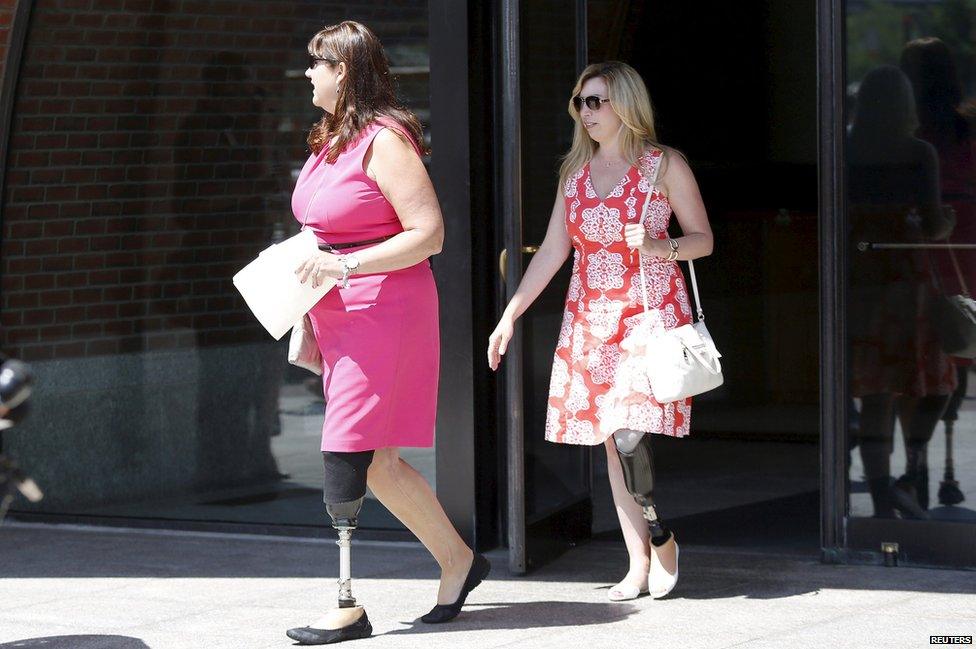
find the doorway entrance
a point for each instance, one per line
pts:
(735, 90)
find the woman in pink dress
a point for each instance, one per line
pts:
(615, 161)
(366, 194)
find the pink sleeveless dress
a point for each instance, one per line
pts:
(379, 337)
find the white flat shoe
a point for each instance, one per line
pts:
(660, 582)
(624, 592)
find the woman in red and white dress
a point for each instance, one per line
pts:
(605, 178)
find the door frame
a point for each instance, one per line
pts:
(832, 253)
(510, 202)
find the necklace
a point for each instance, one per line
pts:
(611, 163)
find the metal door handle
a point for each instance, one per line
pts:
(503, 259)
(864, 246)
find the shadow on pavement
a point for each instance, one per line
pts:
(78, 642)
(527, 615)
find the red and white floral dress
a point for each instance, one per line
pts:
(604, 303)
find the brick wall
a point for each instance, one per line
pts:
(152, 149)
(6, 15)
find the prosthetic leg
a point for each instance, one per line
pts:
(634, 451)
(345, 488)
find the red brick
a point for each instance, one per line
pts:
(26, 195)
(51, 141)
(79, 176)
(55, 298)
(25, 265)
(69, 350)
(105, 243)
(59, 228)
(20, 300)
(76, 211)
(101, 347)
(55, 332)
(69, 314)
(21, 335)
(38, 317)
(132, 309)
(38, 282)
(103, 277)
(24, 230)
(117, 327)
(82, 140)
(58, 193)
(111, 174)
(117, 293)
(88, 226)
(32, 159)
(41, 247)
(70, 123)
(66, 158)
(72, 280)
(102, 311)
(92, 192)
(86, 330)
(88, 262)
(52, 264)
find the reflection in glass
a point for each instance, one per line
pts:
(911, 194)
(149, 162)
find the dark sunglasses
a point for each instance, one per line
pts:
(592, 102)
(315, 60)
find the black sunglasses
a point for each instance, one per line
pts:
(315, 60)
(592, 102)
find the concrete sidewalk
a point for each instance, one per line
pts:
(77, 588)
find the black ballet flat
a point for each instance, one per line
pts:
(480, 568)
(306, 635)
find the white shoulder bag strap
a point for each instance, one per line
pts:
(691, 264)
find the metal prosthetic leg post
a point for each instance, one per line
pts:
(345, 520)
(344, 491)
(634, 451)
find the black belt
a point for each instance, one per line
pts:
(353, 244)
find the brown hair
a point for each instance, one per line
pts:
(366, 94)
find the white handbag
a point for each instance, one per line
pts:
(303, 349)
(680, 362)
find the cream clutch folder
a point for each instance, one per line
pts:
(271, 288)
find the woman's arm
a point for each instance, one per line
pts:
(937, 223)
(545, 264)
(686, 201)
(403, 180)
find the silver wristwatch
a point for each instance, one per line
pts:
(349, 266)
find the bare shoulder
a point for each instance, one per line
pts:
(676, 173)
(390, 153)
(390, 143)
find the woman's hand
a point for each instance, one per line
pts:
(637, 238)
(318, 267)
(498, 341)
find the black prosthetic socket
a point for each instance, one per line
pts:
(345, 485)
(637, 462)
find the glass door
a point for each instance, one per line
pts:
(549, 506)
(909, 151)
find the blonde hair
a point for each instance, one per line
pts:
(630, 101)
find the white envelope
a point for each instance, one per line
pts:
(271, 288)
